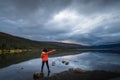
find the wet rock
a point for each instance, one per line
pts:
(78, 70)
(22, 68)
(70, 70)
(38, 75)
(63, 61)
(53, 63)
(66, 63)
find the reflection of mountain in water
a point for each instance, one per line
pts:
(96, 61)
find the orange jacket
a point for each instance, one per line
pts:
(44, 55)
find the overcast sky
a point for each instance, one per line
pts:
(88, 22)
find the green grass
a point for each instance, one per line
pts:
(8, 59)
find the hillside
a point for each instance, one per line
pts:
(8, 41)
(110, 46)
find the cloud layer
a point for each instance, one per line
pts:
(88, 22)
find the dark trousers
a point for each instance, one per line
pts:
(43, 65)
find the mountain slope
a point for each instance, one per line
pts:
(8, 41)
(110, 46)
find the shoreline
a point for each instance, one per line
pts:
(78, 74)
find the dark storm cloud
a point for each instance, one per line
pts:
(95, 6)
(32, 10)
(90, 22)
(46, 7)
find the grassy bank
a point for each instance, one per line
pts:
(8, 59)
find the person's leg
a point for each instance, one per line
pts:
(47, 66)
(42, 66)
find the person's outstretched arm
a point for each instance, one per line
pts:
(51, 51)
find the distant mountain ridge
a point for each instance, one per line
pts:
(110, 46)
(8, 41)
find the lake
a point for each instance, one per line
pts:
(108, 61)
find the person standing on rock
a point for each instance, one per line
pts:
(44, 56)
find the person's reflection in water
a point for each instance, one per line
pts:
(48, 74)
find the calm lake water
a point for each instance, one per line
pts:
(85, 61)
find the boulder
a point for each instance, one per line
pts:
(78, 70)
(66, 63)
(38, 75)
(53, 63)
(63, 61)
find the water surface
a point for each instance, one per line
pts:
(85, 61)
